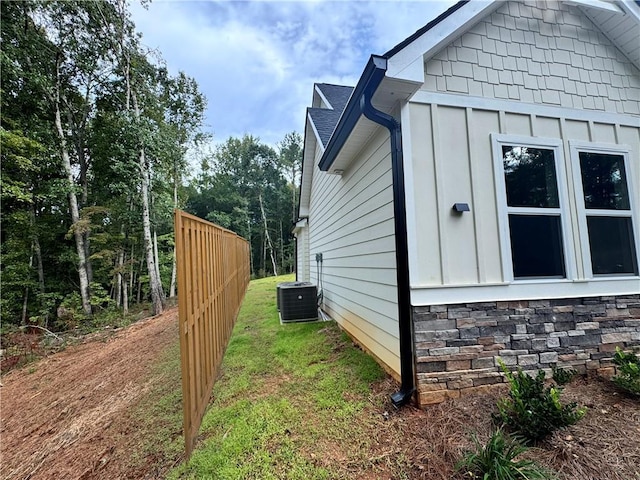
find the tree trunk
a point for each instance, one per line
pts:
(157, 295)
(73, 206)
(157, 258)
(38, 252)
(119, 277)
(268, 237)
(281, 249)
(125, 295)
(174, 273)
(131, 270)
(79, 128)
(23, 320)
(174, 267)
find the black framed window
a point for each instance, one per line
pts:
(608, 213)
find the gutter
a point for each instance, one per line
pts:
(369, 81)
(360, 104)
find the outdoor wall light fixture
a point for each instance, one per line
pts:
(461, 207)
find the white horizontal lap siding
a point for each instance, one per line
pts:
(452, 161)
(351, 225)
(546, 53)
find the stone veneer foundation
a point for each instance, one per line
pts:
(458, 346)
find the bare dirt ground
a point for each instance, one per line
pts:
(70, 415)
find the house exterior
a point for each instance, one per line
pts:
(475, 196)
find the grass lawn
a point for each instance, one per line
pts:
(286, 395)
(300, 401)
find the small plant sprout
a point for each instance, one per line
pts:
(498, 460)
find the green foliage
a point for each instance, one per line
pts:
(239, 172)
(533, 410)
(628, 377)
(562, 376)
(84, 60)
(100, 298)
(498, 460)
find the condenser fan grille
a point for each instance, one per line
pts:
(297, 302)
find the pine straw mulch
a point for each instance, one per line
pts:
(426, 444)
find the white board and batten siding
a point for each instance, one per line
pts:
(531, 70)
(351, 225)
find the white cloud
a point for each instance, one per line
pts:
(256, 62)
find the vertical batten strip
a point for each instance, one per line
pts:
(437, 166)
(533, 119)
(475, 187)
(578, 271)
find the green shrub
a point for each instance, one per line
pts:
(563, 376)
(533, 410)
(629, 371)
(497, 460)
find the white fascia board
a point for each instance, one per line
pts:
(596, 4)
(322, 97)
(631, 8)
(408, 63)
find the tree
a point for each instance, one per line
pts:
(95, 135)
(290, 153)
(243, 187)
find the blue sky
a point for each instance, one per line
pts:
(256, 61)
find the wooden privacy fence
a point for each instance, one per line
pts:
(213, 274)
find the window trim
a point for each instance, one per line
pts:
(497, 140)
(575, 147)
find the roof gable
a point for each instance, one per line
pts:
(618, 20)
(336, 96)
(544, 54)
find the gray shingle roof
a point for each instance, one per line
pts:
(337, 95)
(324, 120)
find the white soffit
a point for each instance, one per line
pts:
(619, 22)
(360, 136)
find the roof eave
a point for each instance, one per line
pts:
(368, 83)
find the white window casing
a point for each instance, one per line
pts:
(498, 140)
(576, 147)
